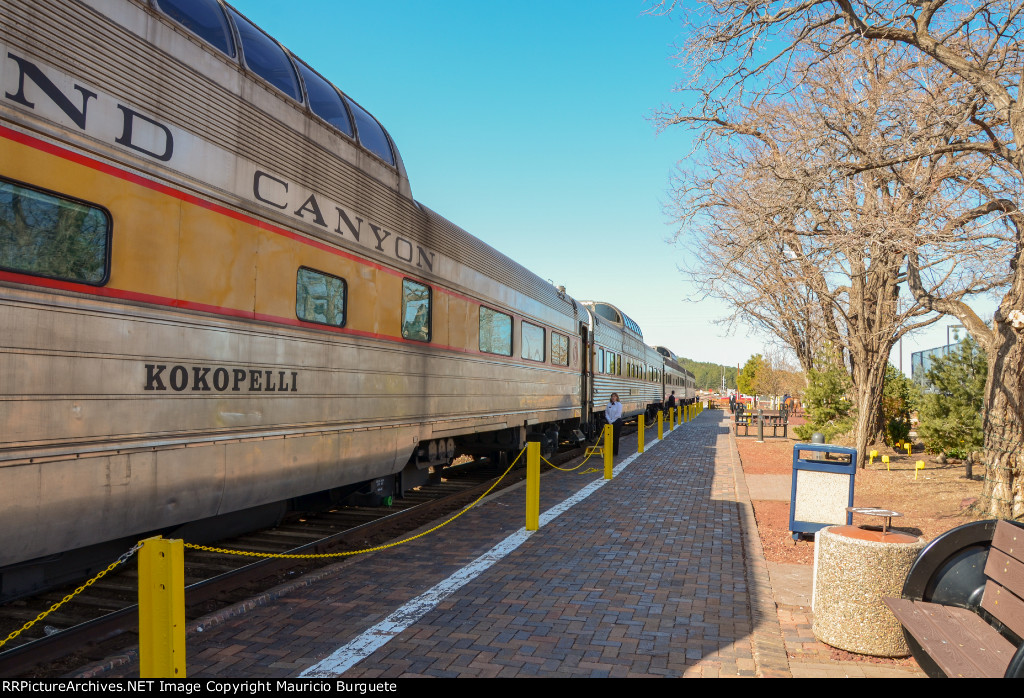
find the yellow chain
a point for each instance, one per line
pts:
(569, 470)
(70, 596)
(364, 550)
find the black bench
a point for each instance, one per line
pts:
(772, 420)
(949, 631)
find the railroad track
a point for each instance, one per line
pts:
(104, 619)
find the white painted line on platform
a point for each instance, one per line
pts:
(372, 639)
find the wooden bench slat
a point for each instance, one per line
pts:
(1005, 570)
(931, 639)
(943, 636)
(1009, 539)
(981, 643)
(1004, 605)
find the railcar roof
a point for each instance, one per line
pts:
(477, 254)
(261, 55)
(612, 313)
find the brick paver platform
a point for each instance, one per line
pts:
(651, 575)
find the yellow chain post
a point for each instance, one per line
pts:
(532, 485)
(162, 609)
(641, 426)
(683, 416)
(671, 418)
(608, 441)
(661, 425)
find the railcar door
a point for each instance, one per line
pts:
(586, 379)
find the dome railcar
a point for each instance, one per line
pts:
(218, 295)
(677, 378)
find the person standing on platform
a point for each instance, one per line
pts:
(613, 415)
(672, 400)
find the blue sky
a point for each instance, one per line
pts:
(526, 123)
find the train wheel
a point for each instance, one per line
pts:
(950, 571)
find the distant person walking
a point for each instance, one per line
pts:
(613, 415)
(672, 400)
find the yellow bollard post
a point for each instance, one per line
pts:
(684, 414)
(671, 418)
(872, 456)
(918, 466)
(661, 425)
(910, 447)
(885, 459)
(641, 427)
(532, 485)
(608, 451)
(162, 609)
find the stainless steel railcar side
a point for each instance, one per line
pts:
(191, 381)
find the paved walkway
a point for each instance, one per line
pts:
(658, 572)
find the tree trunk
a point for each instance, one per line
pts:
(869, 387)
(1003, 491)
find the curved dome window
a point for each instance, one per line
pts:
(607, 312)
(371, 135)
(264, 57)
(324, 100)
(204, 18)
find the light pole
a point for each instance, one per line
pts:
(956, 334)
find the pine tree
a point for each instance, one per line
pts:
(827, 400)
(898, 397)
(951, 418)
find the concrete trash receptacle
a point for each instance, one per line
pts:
(854, 569)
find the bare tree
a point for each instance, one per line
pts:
(741, 49)
(808, 206)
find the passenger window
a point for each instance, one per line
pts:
(560, 349)
(324, 100)
(495, 332)
(205, 19)
(47, 235)
(264, 57)
(533, 342)
(371, 135)
(320, 298)
(415, 311)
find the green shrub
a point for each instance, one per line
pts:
(951, 418)
(898, 398)
(827, 401)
